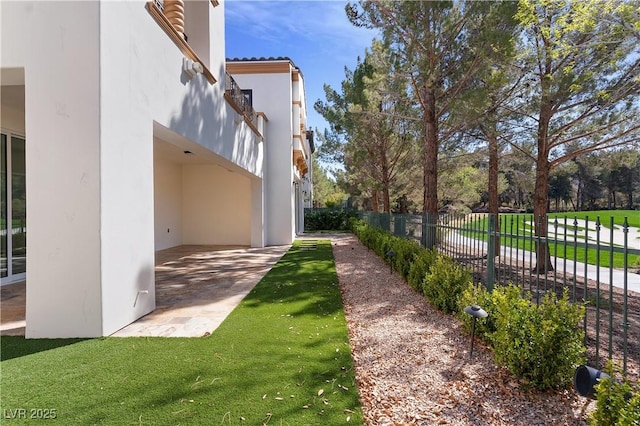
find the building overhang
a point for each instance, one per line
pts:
(270, 65)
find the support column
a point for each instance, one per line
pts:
(257, 213)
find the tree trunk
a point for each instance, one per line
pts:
(520, 199)
(541, 192)
(579, 196)
(386, 201)
(493, 178)
(375, 202)
(543, 257)
(430, 165)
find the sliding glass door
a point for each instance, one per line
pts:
(13, 219)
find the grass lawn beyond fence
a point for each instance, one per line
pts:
(517, 230)
(282, 357)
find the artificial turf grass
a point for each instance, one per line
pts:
(281, 357)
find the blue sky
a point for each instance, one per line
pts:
(316, 35)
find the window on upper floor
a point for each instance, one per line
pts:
(248, 94)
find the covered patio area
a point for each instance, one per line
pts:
(197, 286)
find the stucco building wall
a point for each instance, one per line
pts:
(102, 82)
(127, 154)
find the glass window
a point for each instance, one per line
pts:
(18, 206)
(248, 94)
(3, 210)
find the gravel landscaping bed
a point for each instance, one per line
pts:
(412, 362)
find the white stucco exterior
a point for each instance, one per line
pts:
(127, 154)
(278, 89)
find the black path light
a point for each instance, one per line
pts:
(585, 378)
(390, 254)
(476, 312)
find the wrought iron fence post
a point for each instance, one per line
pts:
(400, 225)
(491, 253)
(597, 304)
(385, 222)
(429, 223)
(625, 308)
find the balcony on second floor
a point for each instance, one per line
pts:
(240, 102)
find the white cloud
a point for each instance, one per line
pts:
(321, 23)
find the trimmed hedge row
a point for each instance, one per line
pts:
(328, 219)
(540, 344)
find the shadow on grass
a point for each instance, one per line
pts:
(17, 346)
(305, 279)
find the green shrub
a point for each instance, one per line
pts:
(630, 413)
(420, 267)
(357, 226)
(616, 405)
(540, 344)
(382, 244)
(376, 239)
(368, 235)
(405, 253)
(327, 219)
(444, 282)
(478, 295)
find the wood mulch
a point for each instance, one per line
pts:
(412, 362)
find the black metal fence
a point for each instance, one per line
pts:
(597, 262)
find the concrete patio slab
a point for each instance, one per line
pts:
(196, 288)
(13, 300)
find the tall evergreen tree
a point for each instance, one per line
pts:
(441, 45)
(581, 62)
(377, 143)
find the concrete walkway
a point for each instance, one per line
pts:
(196, 288)
(605, 275)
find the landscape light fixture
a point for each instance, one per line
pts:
(585, 378)
(390, 254)
(476, 312)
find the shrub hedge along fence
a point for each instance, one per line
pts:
(541, 344)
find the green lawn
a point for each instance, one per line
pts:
(633, 216)
(282, 357)
(521, 235)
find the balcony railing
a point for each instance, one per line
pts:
(240, 102)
